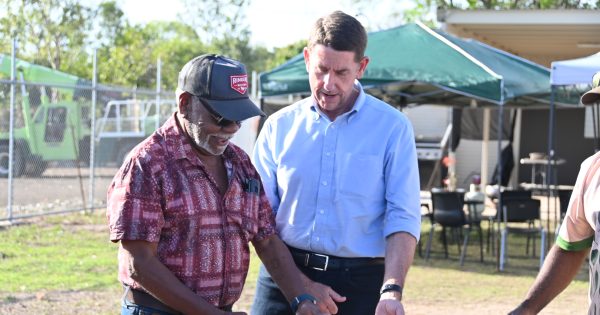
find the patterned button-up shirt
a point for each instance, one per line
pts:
(580, 228)
(163, 194)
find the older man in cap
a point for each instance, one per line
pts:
(579, 232)
(186, 202)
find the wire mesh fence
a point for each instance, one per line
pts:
(62, 138)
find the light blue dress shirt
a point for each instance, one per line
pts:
(340, 187)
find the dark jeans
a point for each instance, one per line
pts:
(360, 286)
(128, 308)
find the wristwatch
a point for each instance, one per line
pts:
(299, 299)
(390, 287)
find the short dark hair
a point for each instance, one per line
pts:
(341, 32)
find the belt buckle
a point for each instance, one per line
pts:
(307, 259)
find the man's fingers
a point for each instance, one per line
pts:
(336, 296)
(331, 307)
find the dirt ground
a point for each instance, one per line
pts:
(107, 302)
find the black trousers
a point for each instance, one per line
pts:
(360, 286)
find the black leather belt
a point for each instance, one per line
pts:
(144, 299)
(327, 262)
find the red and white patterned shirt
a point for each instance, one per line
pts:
(163, 194)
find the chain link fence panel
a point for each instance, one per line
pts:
(57, 126)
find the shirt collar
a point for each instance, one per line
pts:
(358, 104)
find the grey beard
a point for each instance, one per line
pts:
(202, 142)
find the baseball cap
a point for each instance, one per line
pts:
(592, 96)
(222, 83)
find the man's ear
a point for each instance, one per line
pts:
(306, 53)
(362, 66)
(185, 99)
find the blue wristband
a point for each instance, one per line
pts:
(299, 299)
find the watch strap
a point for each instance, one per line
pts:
(390, 288)
(299, 299)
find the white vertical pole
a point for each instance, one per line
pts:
(485, 155)
(514, 178)
(93, 131)
(11, 141)
(254, 85)
(158, 65)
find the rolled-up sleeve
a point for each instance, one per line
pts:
(402, 192)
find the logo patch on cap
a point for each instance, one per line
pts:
(239, 83)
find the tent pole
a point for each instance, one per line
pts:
(499, 180)
(514, 177)
(485, 148)
(549, 167)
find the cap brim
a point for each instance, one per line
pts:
(236, 110)
(590, 97)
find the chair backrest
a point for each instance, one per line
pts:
(520, 210)
(515, 194)
(448, 207)
(564, 195)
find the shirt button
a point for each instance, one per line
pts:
(322, 211)
(328, 153)
(317, 239)
(324, 183)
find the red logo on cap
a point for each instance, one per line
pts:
(239, 83)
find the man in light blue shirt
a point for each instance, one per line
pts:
(340, 170)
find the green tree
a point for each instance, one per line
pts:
(518, 4)
(50, 31)
(131, 59)
(217, 19)
(283, 54)
(111, 22)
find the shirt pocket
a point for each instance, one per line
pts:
(242, 208)
(250, 213)
(361, 175)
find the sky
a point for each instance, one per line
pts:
(273, 23)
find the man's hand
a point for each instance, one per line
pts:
(325, 295)
(389, 306)
(307, 308)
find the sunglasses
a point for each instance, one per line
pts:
(220, 120)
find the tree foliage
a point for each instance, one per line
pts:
(217, 20)
(518, 4)
(51, 32)
(62, 34)
(132, 59)
(282, 54)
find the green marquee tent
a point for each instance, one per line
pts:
(412, 64)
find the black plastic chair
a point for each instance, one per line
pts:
(519, 207)
(424, 215)
(507, 195)
(447, 211)
(564, 195)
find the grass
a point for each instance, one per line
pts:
(57, 253)
(441, 281)
(72, 252)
